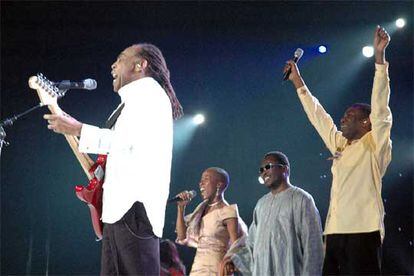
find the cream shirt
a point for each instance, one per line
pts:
(356, 205)
(139, 149)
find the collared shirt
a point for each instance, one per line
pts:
(139, 149)
(285, 237)
(356, 205)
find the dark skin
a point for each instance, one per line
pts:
(277, 180)
(354, 124)
(212, 189)
(127, 67)
(353, 120)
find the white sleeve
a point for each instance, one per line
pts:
(95, 140)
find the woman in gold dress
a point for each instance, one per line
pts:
(213, 227)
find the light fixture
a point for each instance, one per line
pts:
(368, 51)
(198, 119)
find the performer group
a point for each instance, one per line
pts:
(285, 236)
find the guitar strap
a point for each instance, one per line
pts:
(114, 116)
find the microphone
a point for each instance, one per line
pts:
(88, 84)
(296, 56)
(177, 198)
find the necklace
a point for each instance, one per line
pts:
(214, 204)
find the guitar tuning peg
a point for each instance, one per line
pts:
(61, 93)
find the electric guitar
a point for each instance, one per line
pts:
(92, 193)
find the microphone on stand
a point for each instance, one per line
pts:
(87, 84)
(296, 56)
(177, 198)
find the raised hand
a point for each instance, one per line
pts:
(294, 75)
(381, 41)
(64, 124)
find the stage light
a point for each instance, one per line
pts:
(322, 49)
(368, 51)
(400, 22)
(198, 119)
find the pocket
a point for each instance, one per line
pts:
(137, 223)
(139, 232)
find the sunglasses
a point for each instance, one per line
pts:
(269, 166)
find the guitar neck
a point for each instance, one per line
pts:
(85, 161)
(48, 95)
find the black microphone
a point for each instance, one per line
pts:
(88, 84)
(177, 198)
(296, 56)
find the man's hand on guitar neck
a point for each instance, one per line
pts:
(64, 124)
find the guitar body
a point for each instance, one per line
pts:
(92, 194)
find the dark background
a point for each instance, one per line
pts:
(225, 60)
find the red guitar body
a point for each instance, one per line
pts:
(92, 194)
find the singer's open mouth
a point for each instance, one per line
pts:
(114, 76)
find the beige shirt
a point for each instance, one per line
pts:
(356, 205)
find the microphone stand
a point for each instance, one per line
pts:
(10, 121)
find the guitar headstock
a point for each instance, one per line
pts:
(48, 93)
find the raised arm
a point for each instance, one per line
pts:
(381, 118)
(317, 115)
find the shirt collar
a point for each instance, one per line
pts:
(129, 89)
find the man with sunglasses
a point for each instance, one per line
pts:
(285, 237)
(361, 152)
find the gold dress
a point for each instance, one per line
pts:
(212, 240)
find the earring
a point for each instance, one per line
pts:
(217, 191)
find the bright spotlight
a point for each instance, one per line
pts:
(322, 49)
(198, 119)
(400, 22)
(368, 51)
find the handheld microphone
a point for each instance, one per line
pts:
(177, 198)
(88, 84)
(296, 56)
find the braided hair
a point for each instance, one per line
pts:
(157, 69)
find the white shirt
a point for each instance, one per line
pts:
(139, 149)
(356, 203)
